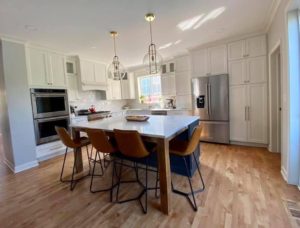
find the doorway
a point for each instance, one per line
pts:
(275, 99)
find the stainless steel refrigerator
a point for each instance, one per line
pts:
(211, 104)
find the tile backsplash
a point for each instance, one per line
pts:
(88, 98)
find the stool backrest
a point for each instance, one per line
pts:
(100, 141)
(65, 137)
(194, 141)
(130, 143)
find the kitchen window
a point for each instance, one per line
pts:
(149, 89)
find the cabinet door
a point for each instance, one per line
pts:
(182, 63)
(237, 72)
(218, 60)
(125, 89)
(116, 90)
(87, 71)
(236, 50)
(256, 46)
(183, 83)
(38, 71)
(238, 103)
(257, 69)
(57, 70)
(168, 86)
(199, 63)
(257, 113)
(100, 73)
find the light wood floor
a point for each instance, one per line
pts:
(244, 188)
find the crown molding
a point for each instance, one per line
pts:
(271, 14)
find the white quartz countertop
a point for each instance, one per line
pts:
(158, 109)
(156, 126)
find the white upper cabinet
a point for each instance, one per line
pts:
(87, 72)
(199, 60)
(252, 47)
(249, 70)
(257, 69)
(256, 46)
(45, 68)
(237, 72)
(168, 85)
(92, 73)
(128, 86)
(236, 50)
(113, 91)
(183, 83)
(182, 63)
(209, 61)
(37, 67)
(218, 60)
(100, 73)
(57, 70)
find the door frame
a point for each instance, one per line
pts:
(274, 82)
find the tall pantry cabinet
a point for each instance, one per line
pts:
(247, 65)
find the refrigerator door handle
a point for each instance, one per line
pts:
(208, 98)
(246, 117)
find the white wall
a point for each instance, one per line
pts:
(278, 33)
(16, 114)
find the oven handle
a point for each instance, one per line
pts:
(49, 95)
(52, 118)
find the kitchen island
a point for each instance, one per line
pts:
(158, 129)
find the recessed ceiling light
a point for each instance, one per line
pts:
(30, 28)
(93, 47)
(189, 23)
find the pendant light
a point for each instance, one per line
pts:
(116, 70)
(152, 59)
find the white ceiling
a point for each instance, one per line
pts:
(82, 26)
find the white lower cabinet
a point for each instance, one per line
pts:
(248, 113)
(238, 119)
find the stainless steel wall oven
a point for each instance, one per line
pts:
(50, 108)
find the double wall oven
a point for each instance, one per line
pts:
(50, 108)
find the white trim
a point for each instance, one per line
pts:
(271, 52)
(12, 39)
(272, 13)
(20, 168)
(8, 164)
(283, 173)
(298, 187)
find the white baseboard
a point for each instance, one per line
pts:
(20, 168)
(284, 173)
(52, 154)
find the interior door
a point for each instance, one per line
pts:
(200, 97)
(218, 96)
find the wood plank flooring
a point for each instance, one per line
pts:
(244, 188)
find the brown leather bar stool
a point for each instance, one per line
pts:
(184, 149)
(102, 144)
(75, 145)
(132, 148)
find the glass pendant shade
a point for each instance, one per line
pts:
(116, 70)
(152, 60)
